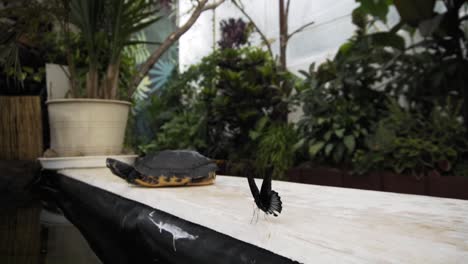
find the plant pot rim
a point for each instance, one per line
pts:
(86, 100)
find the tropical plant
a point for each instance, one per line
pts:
(433, 67)
(238, 88)
(275, 147)
(334, 130)
(343, 97)
(106, 25)
(407, 141)
(184, 131)
(161, 107)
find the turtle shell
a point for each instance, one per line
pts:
(179, 163)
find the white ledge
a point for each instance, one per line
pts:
(318, 224)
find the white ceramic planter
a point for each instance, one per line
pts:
(87, 127)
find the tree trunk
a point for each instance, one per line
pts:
(283, 24)
(112, 80)
(92, 81)
(21, 135)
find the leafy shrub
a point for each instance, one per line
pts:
(230, 90)
(339, 111)
(334, 131)
(409, 142)
(276, 147)
(238, 88)
(183, 131)
(165, 105)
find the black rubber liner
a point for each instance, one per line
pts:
(120, 230)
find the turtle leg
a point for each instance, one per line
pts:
(133, 175)
(205, 180)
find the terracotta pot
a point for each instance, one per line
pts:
(83, 127)
(368, 181)
(448, 186)
(402, 183)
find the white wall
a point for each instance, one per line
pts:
(320, 41)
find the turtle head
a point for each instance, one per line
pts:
(121, 169)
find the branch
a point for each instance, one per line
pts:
(169, 41)
(262, 36)
(287, 9)
(213, 5)
(300, 29)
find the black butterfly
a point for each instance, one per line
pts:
(266, 200)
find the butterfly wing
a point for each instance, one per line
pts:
(270, 199)
(254, 189)
(276, 206)
(266, 189)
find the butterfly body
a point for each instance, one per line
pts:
(266, 199)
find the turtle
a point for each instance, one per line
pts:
(167, 168)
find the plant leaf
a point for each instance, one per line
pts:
(315, 148)
(299, 144)
(414, 11)
(387, 39)
(328, 148)
(377, 8)
(338, 153)
(340, 132)
(350, 143)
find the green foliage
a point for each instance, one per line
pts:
(434, 67)
(26, 73)
(461, 169)
(165, 105)
(377, 8)
(343, 99)
(127, 70)
(333, 128)
(183, 131)
(55, 49)
(410, 142)
(21, 22)
(232, 89)
(276, 149)
(415, 11)
(107, 25)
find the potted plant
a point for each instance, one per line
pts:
(93, 121)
